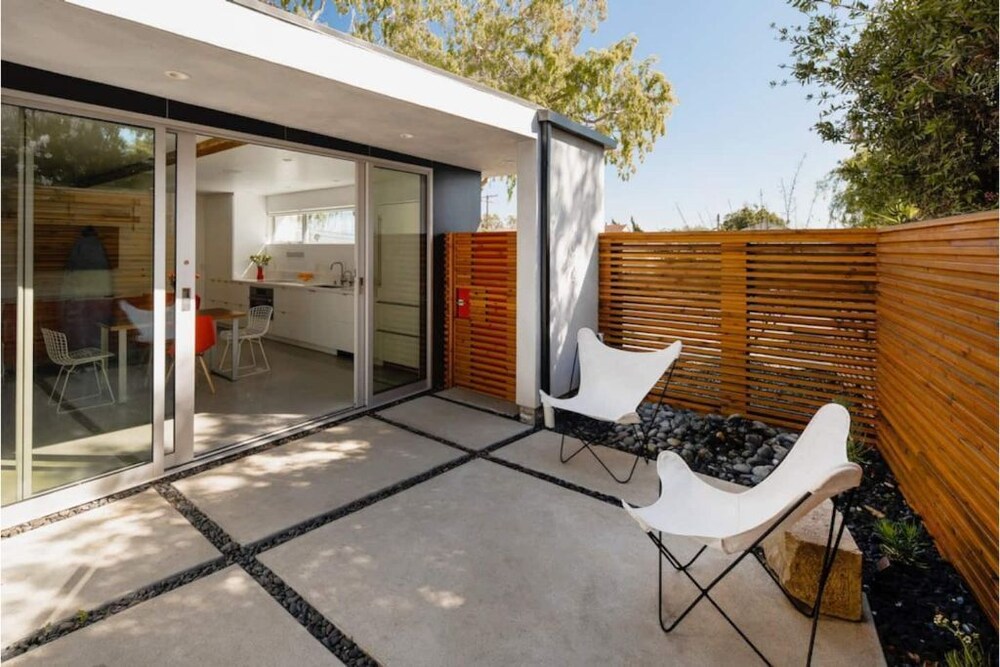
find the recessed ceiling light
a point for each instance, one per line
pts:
(177, 75)
(405, 135)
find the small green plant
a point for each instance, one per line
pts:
(858, 450)
(82, 616)
(261, 259)
(970, 653)
(902, 542)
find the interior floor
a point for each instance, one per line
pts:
(301, 384)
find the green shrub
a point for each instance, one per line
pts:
(902, 542)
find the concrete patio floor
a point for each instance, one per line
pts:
(420, 553)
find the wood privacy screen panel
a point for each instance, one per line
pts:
(937, 381)
(481, 349)
(774, 324)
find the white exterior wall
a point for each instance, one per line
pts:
(528, 276)
(576, 218)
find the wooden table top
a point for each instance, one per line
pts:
(222, 313)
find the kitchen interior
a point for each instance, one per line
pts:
(295, 214)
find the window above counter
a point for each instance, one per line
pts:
(325, 226)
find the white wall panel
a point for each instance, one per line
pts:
(576, 218)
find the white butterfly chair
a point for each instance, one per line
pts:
(613, 384)
(816, 469)
(258, 323)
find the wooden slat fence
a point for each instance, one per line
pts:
(901, 322)
(481, 349)
(937, 384)
(774, 324)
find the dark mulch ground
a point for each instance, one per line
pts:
(904, 600)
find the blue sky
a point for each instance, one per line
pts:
(731, 138)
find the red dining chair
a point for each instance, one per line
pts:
(204, 340)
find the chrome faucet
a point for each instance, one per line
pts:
(340, 281)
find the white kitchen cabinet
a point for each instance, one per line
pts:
(288, 313)
(342, 316)
(317, 318)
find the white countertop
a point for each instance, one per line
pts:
(294, 284)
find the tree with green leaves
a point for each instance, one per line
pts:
(911, 87)
(755, 217)
(528, 48)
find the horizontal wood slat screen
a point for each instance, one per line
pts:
(937, 381)
(774, 323)
(481, 349)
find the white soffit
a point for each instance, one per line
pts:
(246, 62)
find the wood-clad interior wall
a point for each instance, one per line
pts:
(774, 324)
(937, 384)
(122, 220)
(481, 349)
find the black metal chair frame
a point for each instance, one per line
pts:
(829, 556)
(590, 431)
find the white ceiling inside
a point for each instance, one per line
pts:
(266, 170)
(68, 39)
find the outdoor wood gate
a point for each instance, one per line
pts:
(481, 293)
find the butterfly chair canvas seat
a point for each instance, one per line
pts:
(736, 522)
(613, 384)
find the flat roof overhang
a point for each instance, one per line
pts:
(271, 70)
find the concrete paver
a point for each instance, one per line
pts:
(465, 426)
(257, 496)
(81, 562)
(221, 620)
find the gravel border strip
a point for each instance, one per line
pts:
(479, 453)
(325, 632)
(545, 477)
(495, 413)
(287, 534)
(329, 635)
(82, 619)
(424, 434)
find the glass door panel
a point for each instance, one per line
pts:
(399, 278)
(272, 235)
(78, 292)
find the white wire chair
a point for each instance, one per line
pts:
(815, 470)
(258, 324)
(613, 384)
(57, 349)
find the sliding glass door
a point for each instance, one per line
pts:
(137, 330)
(77, 336)
(398, 214)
